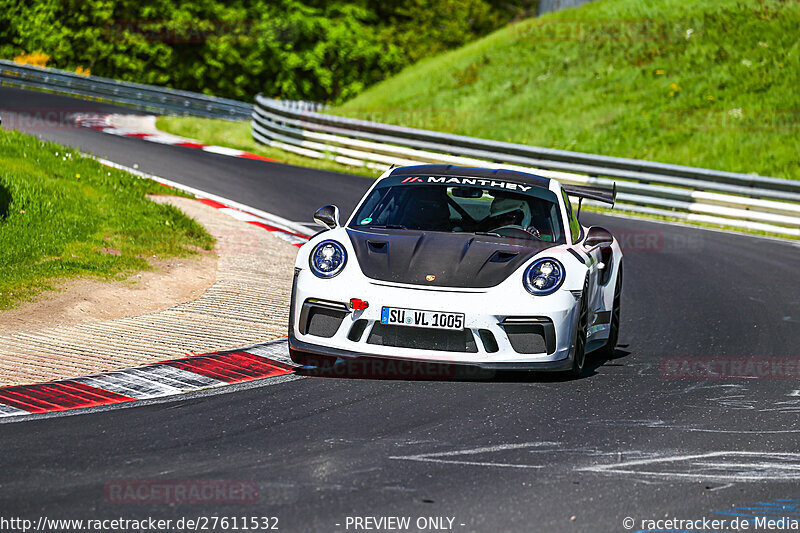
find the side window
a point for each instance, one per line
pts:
(574, 225)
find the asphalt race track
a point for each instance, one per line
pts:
(287, 191)
(515, 453)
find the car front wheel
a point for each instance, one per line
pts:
(581, 331)
(607, 351)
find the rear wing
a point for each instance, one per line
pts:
(600, 194)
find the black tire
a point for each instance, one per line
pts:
(581, 332)
(607, 351)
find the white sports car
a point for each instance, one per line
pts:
(469, 266)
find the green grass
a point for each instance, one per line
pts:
(710, 84)
(238, 135)
(61, 214)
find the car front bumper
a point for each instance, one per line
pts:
(297, 347)
(496, 310)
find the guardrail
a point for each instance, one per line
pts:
(146, 97)
(695, 194)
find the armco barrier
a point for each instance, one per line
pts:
(696, 194)
(146, 97)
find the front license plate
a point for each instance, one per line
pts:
(421, 319)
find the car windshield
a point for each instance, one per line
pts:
(532, 214)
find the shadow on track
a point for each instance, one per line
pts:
(404, 370)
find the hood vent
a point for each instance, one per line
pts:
(503, 257)
(378, 247)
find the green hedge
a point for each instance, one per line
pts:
(309, 49)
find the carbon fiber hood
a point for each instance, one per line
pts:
(453, 259)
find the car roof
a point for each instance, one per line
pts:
(472, 172)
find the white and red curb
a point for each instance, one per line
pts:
(106, 124)
(156, 380)
(293, 232)
(293, 237)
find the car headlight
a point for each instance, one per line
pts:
(543, 276)
(328, 259)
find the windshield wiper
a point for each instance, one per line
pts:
(489, 233)
(386, 226)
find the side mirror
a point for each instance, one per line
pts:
(597, 236)
(327, 216)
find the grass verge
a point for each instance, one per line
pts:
(63, 215)
(705, 84)
(237, 135)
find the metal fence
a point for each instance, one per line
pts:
(145, 97)
(696, 194)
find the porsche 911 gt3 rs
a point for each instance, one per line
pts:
(459, 265)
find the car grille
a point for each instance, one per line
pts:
(422, 338)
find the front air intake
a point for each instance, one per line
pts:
(321, 318)
(423, 338)
(530, 335)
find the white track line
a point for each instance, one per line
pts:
(273, 220)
